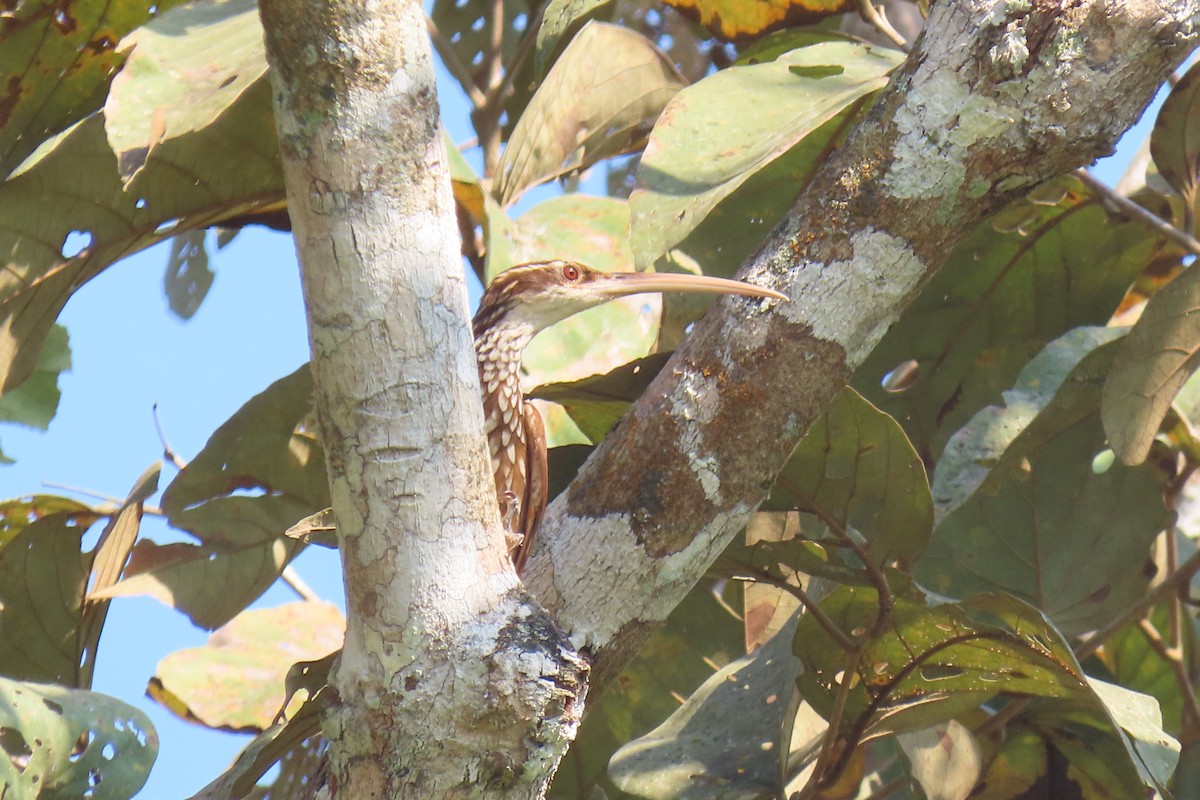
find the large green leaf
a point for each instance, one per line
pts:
(1153, 364)
(596, 403)
(1053, 382)
(71, 743)
(148, 104)
(728, 738)
(717, 134)
(43, 576)
(58, 59)
(1021, 279)
(1175, 140)
(600, 99)
(699, 637)
(561, 20)
(68, 215)
(857, 469)
(932, 662)
(259, 473)
(1046, 500)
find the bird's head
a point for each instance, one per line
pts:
(540, 294)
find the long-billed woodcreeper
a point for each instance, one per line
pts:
(518, 304)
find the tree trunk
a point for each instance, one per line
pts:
(452, 682)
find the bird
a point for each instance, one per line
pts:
(519, 303)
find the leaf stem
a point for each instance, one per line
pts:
(1139, 214)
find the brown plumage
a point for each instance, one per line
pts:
(517, 305)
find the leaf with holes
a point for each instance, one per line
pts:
(1154, 362)
(72, 743)
(856, 469)
(236, 680)
(466, 27)
(930, 662)
(717, 134)
(69, 217)
(58, 59)
(976, 324)
(600, 99)
(1050, 496)
(43, 577)
(1175, 140)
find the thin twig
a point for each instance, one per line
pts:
(874, 17)
(1170, 585)
(810, 605)
(1174, 657)
(108, 498)
(1140, 214)
(454, 64)
(168, 452)
(297, 584)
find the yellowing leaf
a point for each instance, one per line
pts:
(734, 18)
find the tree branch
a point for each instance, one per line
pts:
(995, 99)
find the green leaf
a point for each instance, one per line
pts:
(43, 576)
(1137, 715)
(1175, 140)
(718, 133)
(57, 61)
(236, 680)
(72, 743)
(148, 104)
(699, 637)
(19, 513)
(1046, 500)
(188, 277)
(728, 737)
(268, 445)
(596, 403)
(1056, 381)
(296, 740)
(34, 402)
(587, 109)
(932, 662)
(560, 22)
(1135, 664)
(856, 467)
(1153, 364)
(243, 552)
(69, 216)
(259, 473)
(977, 322)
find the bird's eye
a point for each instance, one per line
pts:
(571, 272)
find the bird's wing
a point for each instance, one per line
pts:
(537, 477)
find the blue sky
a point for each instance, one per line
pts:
(130, 353)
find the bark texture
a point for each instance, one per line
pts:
(452, 682)
(997, 96)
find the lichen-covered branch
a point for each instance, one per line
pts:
(997, 96)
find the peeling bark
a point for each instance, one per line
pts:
(997, 96)
(452, 682)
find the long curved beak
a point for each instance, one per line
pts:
(619, 284)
